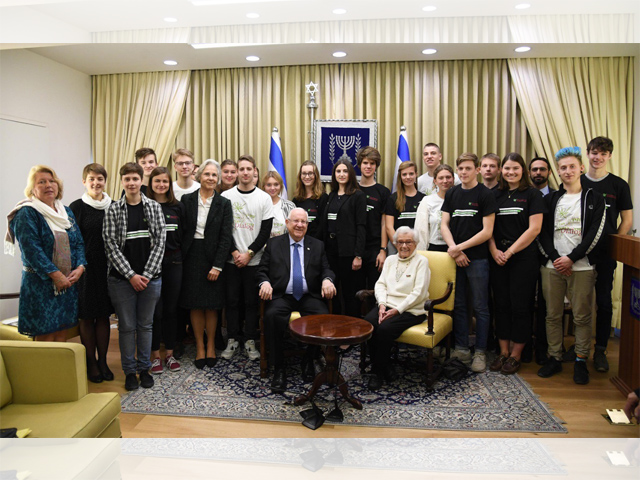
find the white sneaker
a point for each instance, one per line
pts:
(479, 363)
(250, 347)
(463, 355)
(230, 351)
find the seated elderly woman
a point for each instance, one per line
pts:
(400, 293)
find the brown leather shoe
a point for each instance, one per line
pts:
(498, 363)
(510, 367)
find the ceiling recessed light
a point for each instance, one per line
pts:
(522, 6)
(253, 58)
(171, 63)
(428, 8)
(339, 54)
(429, 51)
(170, 19)
(339, 11)
(253, 15)
(523, 49)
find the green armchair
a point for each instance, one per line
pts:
(43, 387)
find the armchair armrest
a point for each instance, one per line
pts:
(45, 372)
(431, 303)
(364, 295)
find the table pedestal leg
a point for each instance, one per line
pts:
(331, 376)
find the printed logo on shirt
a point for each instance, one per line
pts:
(370, 207)
(171, 227)
(135, 234)
(473, 204)
(332, 216)
(464, 213)
(407, 216)
(510, 210)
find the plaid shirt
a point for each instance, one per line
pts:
(114, 233)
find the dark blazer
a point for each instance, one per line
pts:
(217, 230)
(351, 225)
(275, 265)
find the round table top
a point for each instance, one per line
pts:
(331, 329)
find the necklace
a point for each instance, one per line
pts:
(511, 192)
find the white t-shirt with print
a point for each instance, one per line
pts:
(567, 233)
(426, 186)
(179, 192)
(249, 210)
(434, 204)
(279, 226)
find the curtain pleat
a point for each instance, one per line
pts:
(135, 110)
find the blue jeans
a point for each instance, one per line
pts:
(135, 321)
(476, 278)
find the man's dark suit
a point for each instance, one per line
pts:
(275, 268)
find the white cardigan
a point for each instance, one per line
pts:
(411, 290)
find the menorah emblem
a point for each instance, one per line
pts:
(345, 143)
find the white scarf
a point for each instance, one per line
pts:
(97, 204)
(57, 219)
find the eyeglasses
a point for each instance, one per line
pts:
(307, 174)
(183, 164)
(298, 222)
(401, 243)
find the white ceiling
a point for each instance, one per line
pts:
(30, 23)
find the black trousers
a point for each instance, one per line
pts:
(165, 317)
(385, 333)
(370, 273)
(276, 321)
(514, 290)
(241, 283)
(348, 282)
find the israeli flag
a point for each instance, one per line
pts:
(403, 155)
(276, 162)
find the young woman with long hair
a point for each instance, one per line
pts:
(403, 204)
(310, 196)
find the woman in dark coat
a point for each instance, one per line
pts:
(206, 245)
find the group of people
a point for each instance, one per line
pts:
(169, 256)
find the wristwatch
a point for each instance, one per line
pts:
(385, 249)
(251, 253)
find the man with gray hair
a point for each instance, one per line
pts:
(293, 275)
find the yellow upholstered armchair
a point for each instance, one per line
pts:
(439, 323)
(43, 387)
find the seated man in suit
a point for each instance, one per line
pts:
(294, 275)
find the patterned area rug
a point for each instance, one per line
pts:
(450, 455)
(234, 389)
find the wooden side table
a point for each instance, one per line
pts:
(330, 331)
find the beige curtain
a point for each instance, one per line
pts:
(135, 110)
(461, 105)
(568, 101)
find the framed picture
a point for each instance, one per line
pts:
(334, 140)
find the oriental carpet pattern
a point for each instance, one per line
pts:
(233, 389)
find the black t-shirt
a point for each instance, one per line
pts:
(174, 224)
(512, 217)
(332, 212)
(406, 218)
(467, 208)
(617, 197)
(377, 196)
(315, 209)
(137, 247)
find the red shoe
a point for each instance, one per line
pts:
(172, 363)
(156, 366)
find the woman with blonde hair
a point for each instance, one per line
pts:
(52, 256)
(429, 214)
(272, 184)
(310, 196)
(403, 204)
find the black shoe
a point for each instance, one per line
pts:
(211, 362)
(570, 355)
(146, 380)
(600, 360)
(541, 357)
(107, 374)
(389, 374)
(308, 371)
(279, 382)
(95, 378)
(375, 382)
(550, 368)
(200, 363)
(131, 382)
(580, 373)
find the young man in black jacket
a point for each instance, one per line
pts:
(570, 239)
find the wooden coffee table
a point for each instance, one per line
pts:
(330, 331)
